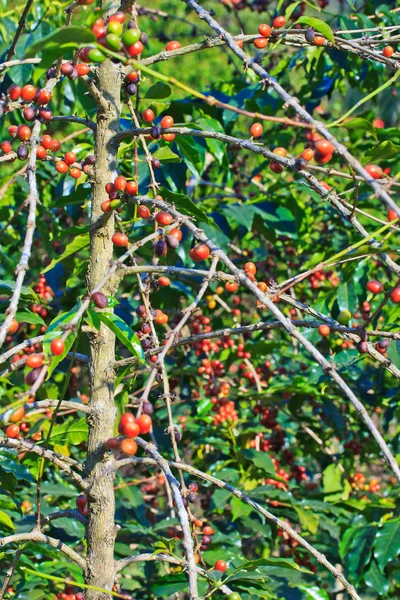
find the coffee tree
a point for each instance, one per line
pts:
(200, 287)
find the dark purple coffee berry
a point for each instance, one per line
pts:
(155, 132)
(161, 248)
(155, 163)
(309, 35)
(23, 152)
(144, 38)
(29, 113)
(90, 159)
(131, 89)
(100, 299)
(362, 347)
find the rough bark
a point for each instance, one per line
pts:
(101, 529)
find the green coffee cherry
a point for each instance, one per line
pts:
(113, 41)
(131, 36)
(344, 317)
(115, 28)
(234, 596)
(96, 55)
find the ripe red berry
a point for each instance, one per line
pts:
(106, 206)
(207, 530)
(307, 154)
(81, 501)
(43, 97)
(136, 49)
(34, 361)
(131, 188)
(169, 137)
(14, 92)
(28, 93)
(24, 133)
(41, 153)
(100, 299)
(388, 51)
(12, 431)
(13, 327)
(75, 173)
(164, 281)
(143, 212)
(46, 141)
(173, 45)
(250, 267)
(392, 215)
(120, 239)
(231, 286)
(61, 166)
(55, 145)
(375, 287)
(324, 330)
(319, 40)
(145, 423)
(82, 69)
(164, 218)
(264, 30)
(167, 122)
(279, 22)
(256, 130)
(120, 183)
(148, 115)
(6, 146)
(12, 130)
(395, 295)
(119, 17)
(128, 446)
(324, 147)
(57, 346)
(375, 171)
(261, 42)
(176, 233)
(276, 167)
(70, 158)
(220, 565)
(199, 252)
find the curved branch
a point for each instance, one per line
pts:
(64, 514)
(41, 538)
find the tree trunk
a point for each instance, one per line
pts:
(101, 529)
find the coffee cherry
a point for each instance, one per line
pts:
(100, 299)
(324, 330)
(167, 122)
(28, 93)
(55, 145)
(324, 147)
(61, 166)
(75, 173)
(383, 344)
(13, 327)
(24, 133)
(276, 167)
(307, 154)
(70, 158)
(17, 415)
(161, 248)
(392, 215)
(280, 151)
(164, 218)
(250, 267)
(207, 530)
(362, 347)
(375, 287)
(130, 429)
(322, 159)
(113, 41)
(256, 130)
(176, 233)
(46, 142)
(164, 281)
(145, 424)
(128, 446)
(155, 132)
(23, 152)
(375, 171)
(169, 137)
(395, 295)
(233, 596)
(106, 206)
(81, 501)
(96, 55)
(199, 252)
(136, 49)
(231, 286)
(131, 89)
(120, 239)
(279, 22)
(82, 69)
(143, 212)
(67, 68)
(34, 361)
(12, 130)
(172, 241)
(173, 45)
(319, 40)
(45, 115)
(220, 565)
(113, 444)
(160, 319)
(12, 431)
(130, 37)
(309, 35)
(133, 77)
(344, 317)
(155, 163)
(148, 115)
(388, 51)
(120, 183)
(57, 346)
(261, 42)
(264, 30)
(6, 146)
(43, 97)
(14, 92)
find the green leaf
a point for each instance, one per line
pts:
(124, 333)
(56, 330)
(8, 287)
(165, 155)
(308, 519)
(185, 205)
(332, 479)
(239, 508)
(62, 35)
(29, 317)
(79, 242)
(260, 460)
(347, 297)
(383, 151)
(5, 520)
(319, 26)
(193, 154)
(374, 579)
(73, 431)
(158, 91)
(387, 543)
(360, 124)
(313, 592)
(170, 585)
(393, 352)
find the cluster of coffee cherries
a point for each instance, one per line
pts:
(376, 287)
(130, 427)
(110, 34)
(320, 277)
(359, 483)
(69, 164)
(69, 594)
(290, 550)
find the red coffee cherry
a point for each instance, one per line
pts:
(120, 239)
(41, 153)
(12, 130)
(276, 167)
(256, 130)
(375, 171)
(220, 565)
(128, 446)
(70, 158)
(145, 423)
(173, 45)
(75, 173)
(28, 93)
(46, 141)
(43, 97)
(129, 429)
(395, 295)
(82, 69)
(118, 16)
(143, 212)
(6, 146)
(12, 431)
(100, 299)
(148, 115)
(261, 42)
(61, 166)
(176, 233)
(307, 154)
(392, 215)
(388, 51)
(279, 22)
(34, 361)
(131, 188)
(319, 40)
(120, 183)
(13, 327)
(164, 281)
(55, 145)
(250, 267)
(106, 206)
(167, 122)
(169, 137)
(81, 501)
(264, 30)
(324, 330)
(67, 68)
(199, 252)
(57, 346)
(324, 147)
(113, 444)
(280, 151)
(24, 133)
(231, 286)
(14, 92)
(136, 49)
(207, 530)
(375, 287)
(164, 218)
(160, 318)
